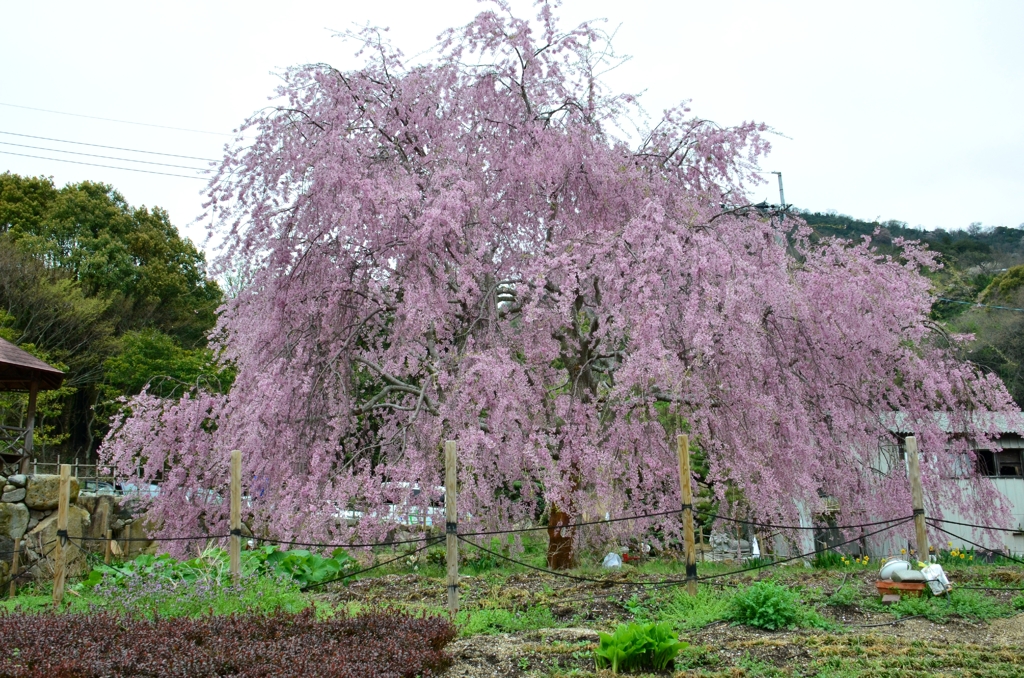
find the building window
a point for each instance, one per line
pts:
(1005, 464)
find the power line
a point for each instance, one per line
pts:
(125, 122)
(971, 303)
(107, 157)
(93, 164)
(113, 148)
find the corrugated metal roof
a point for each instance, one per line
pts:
(996, 422)
(18, 369)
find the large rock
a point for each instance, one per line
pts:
(138, 539)
(43, 491)
(13, 520)
(18, 480)
(101, 509)
(44, 537)
(16, 494)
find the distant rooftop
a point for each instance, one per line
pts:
(18, 369)
(994, 422)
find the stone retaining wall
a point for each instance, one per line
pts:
(28, 510)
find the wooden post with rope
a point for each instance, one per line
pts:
(917, 497)
(683, 448)
(60, 558)
(235, 540)
(451, 529)
(14, 567)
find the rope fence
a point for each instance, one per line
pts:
(453, 536)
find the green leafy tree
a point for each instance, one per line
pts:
(999, 332)
(131, 255)
(99, 285)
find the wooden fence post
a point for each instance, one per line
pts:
(107, 548)
(917, 498)
(451, 527)
(14, 567)
(236, 515)
(60, 552)
(683, 448)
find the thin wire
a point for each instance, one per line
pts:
(153, 539)
(125, 122)
(113, 148)
(570, 525)
(991, 588)
(92, 164)
(341, 546)
(983, 548)
(542, 569)
(980, 527)
(715, 516)
(675, 582)
(971, 303)
(792, 558)
(106, 157)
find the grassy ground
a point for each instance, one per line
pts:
(519, 622)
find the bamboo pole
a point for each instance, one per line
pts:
(686, 489)
(451, 517)
(60, 552)
(236, 515)
(917, 497)
(14, 567)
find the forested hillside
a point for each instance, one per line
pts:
(980, 287)
(108, 292)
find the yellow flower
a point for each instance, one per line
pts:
(950, 544)
(970, 558)
(903, 551)
(961, 556)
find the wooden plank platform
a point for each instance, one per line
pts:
(909, 588)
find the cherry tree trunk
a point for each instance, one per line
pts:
(560, 536)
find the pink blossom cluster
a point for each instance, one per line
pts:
(463, 248)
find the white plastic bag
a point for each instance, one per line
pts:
(936, 578)
(612, 560)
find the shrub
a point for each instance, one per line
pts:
(768, 605)
(689, 612)
(381, 644)
(637, 647)
(146, 594)
(505, 621)
(212, 564)
(844, 596)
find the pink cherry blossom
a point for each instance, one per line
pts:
(467, 247)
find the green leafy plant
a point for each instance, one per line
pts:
(844, 596)
(309, 568)
(768, 605)
(638, 646)
(635, 607)
(504, 621)
(828, 560)
(211, 565)
(690, 612)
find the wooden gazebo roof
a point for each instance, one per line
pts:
(18, 369)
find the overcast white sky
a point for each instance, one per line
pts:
(898, 110)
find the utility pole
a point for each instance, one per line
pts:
(782, 196)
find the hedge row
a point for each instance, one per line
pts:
(382, 644)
